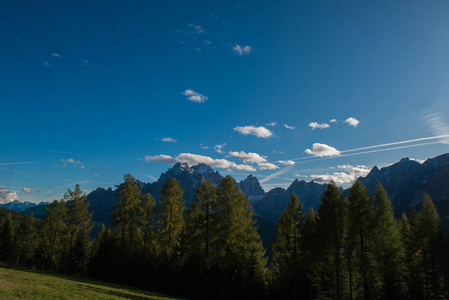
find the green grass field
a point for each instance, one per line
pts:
(25, 284)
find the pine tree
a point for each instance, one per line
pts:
(388, 249)
(148, 222)
(332, 232)
(127, 214)
(310, 255)
(77, 218)
(26, 241)
(239, 249)
(428, 238)
(171, 220)
(360, 215)
(52, 236)
(80, 254)
(7, 239)
(207, 203)
(286, 247)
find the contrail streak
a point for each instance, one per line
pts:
(398, 143)
(16, 163)
(372, 151)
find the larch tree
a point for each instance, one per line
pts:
(332, 232)
(171, 222)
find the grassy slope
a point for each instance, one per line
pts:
(17, 284)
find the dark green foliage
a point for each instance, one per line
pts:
(6, 239)
(286, 247)
(331, 246)
(127, 214)
(78, 221)
(171, 220)
(26, 242)
(388, 249)
(80, 254)
(360, 235)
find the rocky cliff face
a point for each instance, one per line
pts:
(252, 189)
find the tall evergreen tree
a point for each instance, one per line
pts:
(427, 239)
(127, 213)
(286, 247)
(7, 239)
(171, 220)
(77, 218)
(148, 223)
(52, 236)
(388, 249)
(80, 254)
(332, 231)
(360, 215)
(207, 203)
(239, 247)
(26, 241)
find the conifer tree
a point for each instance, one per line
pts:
(77, 218)
(207, 203)
(52, 236)
(6, 239)
(127, 213)
(332, 232)
(239, 247)
(171, 220)
(310, 255)
(427, 238)
(26, 241)
(148, 222)
(360, 215)
(286, 247)
(388, 249)
(80, 254)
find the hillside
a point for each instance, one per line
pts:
(17, 284)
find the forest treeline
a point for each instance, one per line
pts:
(350, 248)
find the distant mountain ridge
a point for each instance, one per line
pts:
(406, 183)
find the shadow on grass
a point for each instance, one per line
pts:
(86, 283)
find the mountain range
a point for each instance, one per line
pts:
(406, 183)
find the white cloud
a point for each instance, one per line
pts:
(337, 177)
(195, 159)
(321, 150)
(333, 121)
(248, 157)
(260, 131)
(169, 140)
(219, 148)
(267, 166)
(56, 55)
(315, 125)
(75, 163)
(27, 190)
(352, 121)
(198, 28)
(289, 127)
(351, 173)
(47, 64)
(438, 126)
(298, 175)
(7, 196)
(286, 162)
(272, 124)
(207, 42)
(357, 171)
(194, 96)
(242, 50)
(86, 63)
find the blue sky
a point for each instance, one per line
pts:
(93, 90)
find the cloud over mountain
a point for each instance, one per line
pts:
(322, 150)
(260, 132)
(248, 157)
(7, 196)
(195, 159)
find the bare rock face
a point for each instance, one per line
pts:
(252, 189)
